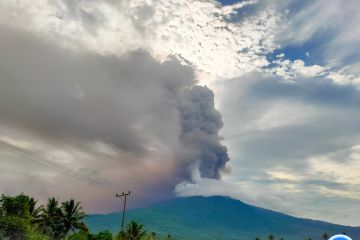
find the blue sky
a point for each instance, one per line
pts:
(257, 100)
(228, 2)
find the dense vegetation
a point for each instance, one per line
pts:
(22, 219)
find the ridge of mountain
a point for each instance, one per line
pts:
(219, 217)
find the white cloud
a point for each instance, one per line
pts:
(292, 70)
(199, 32)
(332, 23)
(309, 71)
(345, 170)
(275, 130)
(282, 115)
(316, 194)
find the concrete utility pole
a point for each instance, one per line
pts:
(123, 213)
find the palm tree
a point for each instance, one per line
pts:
(72, 214)
(50, 219)
(135, 231)
(257, 238)
(34, 211)
(271, 237)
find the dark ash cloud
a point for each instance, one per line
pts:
(148, 111)
(201, 123)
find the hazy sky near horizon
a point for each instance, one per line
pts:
(257, 100)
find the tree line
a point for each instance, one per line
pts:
(22, 219)
(324, 236)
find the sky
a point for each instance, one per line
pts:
(257, 100)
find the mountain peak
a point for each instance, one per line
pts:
(219, 217)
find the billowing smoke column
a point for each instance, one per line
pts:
(200, 131)
(130, 119)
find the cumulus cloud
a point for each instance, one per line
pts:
(291, 70)
(203, 33)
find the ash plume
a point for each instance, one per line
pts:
(201, 123)
(149, 119)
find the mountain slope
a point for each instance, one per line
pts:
(219, 218)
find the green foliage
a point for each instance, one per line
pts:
(79, 236)
(57, 220)
(104, 235)
(13, 227)
(21, 219)
(16, 218)
(121, 236)
(34, 234)
(72, 214)
(34, 211)
(135, 231)
(50, 219)
(83, 235)
(17, 206)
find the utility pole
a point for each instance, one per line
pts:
(123, 213)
